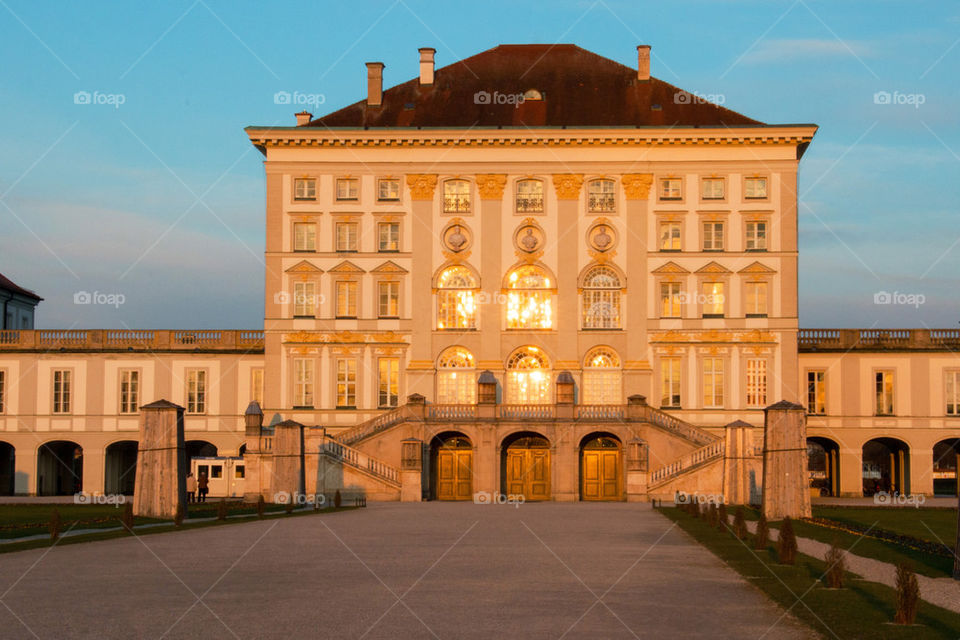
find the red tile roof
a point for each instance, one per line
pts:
(8, 285)
(579, 89)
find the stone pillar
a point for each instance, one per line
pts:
(738, 461)
(420, 366)
(919, 471)
(161, 483)
(637, 376)
(488, 226)
(253, 423)
(638, 468)
(411, 470)
(486, 462)
(851, 472)
(565, 395)
(287, 478)
(94, 463)
(567, 246)
(25, 472)
(785, 490)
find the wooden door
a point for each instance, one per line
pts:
(455, 474)
(528, 473)
(600, 475)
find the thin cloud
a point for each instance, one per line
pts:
(780, 50)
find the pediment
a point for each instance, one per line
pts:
(757, 267)
(671, 268)
(304, 266)
(713, 268)
(346, 267)
(389, 267)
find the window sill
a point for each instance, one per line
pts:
(347, 408)
(708, 316)
(388, 251)
(671, 199)
(304, 199)
(347, 200)
(296, 317)
(347, 251)
(756, 315)
(304, 250)
(671, 250)
(303, 407)
(670, 407)
(345, 317)
(713, 250)
(388, 317)
(756, 250)
(388, 200)
(601, 328)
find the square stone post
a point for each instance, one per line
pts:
(785, 491)
(161, 479)
(288, 470)
(411, 469)
(565, 386)
(738, 461)
(253, 423)
(487, 395)
(638, 467)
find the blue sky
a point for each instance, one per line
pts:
(160, 199)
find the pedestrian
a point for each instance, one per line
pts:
(191, 488)
(202, 486)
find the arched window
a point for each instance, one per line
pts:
(456, 377)
(530, 196)
(601, 299)
(530, 299)
(602, 377)
(456, 307)
(456, 196)
(600, 196)
(528, 377)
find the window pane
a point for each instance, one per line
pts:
(712, 298)
(712, 188)
(670, 382)
(456, 196)
(389, 236)
(348, 189)
(389, 382)
(530, 196)
(388, 189)
(304, 189)
(346, 299)
(304, 236)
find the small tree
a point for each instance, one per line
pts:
(836, 566)
(762, 536)
(695, 509)
(56, 525)
(180, 514)
(713, 517)
(787, 543)
(261, 506)
(337, 499)
(127, 520)
(222, 509)
(740, 524)
(722, 521)
(908, 595)
(288, 508)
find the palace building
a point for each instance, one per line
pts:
(534, 271)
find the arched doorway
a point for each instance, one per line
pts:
(8, 466)
(601, 467)
(59, 468)
(823, 465)
(199, 449)
(120, 468)
(946, 461)
(451, 464)
(886, 466)
(525, 466)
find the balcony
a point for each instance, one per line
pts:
(529, 204)
(456, 204)
(603, 203)
(813, 340)
(244, 341)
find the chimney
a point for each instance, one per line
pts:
(643, 62)
(374, 84)
(304, 117)
(426, 65)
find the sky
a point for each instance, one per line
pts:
(150, 196)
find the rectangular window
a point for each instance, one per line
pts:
(756, 383)
(671, 300)
(389, 233)
(346, 236)
(712, 189)
(756, 235)
(304, 189)
(304, 299)
(389, 300)
(304, 236)
(670, 236)
(3, 390)
(388, 189)
(816, 392)
(530, 196)
(601, 196)
(456, 196)
(303, 382)
(346, 384)
(256, 385)
(713, 383)
(670, 189)
(196, 391)
(670, 382)
(712, 299)
(756, 299)
(952, 392)
(62, 390)
(348, 189)
(713, 236)
(129, 391)
(884, 393)
(755, 188)
(388, 386)
(346, 299)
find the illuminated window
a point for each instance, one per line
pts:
(256, 385)
(129, 391)
(670, 383)
(601, 299)
(670, 236)
(713, 383)
(304, 189)
(389, 300)
(456, 305)
(755, 188)
(601, 196)
(756, 383)
(388, 189)
(389, 233)
(346, 239)
(456, 196)
(756, 235)
(671, 189)
(348, 189)
(304, 236)
(952, 392)
(530, 299)
(62, 390)
(671, 300)
(456, 377)
(712, 189)
(196, 391)
(304, 299)
(712, 299)
(713, 236)
(303, 382)
(756, 299)
(884, 393)
(346, 299)
(346, 383)
(528, 377)
(816, 392)
(530, 196)
(388, 384)
(602, 378)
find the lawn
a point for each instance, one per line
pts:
(860, 610)
(934, 525)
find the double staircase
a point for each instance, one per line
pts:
(356, 459)
(693, 460)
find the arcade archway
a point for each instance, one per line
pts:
(823, 465)
(59, 468)
(886, 466)
(525, 466)
(120, 468)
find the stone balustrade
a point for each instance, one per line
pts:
(242, 340)
(811, 340)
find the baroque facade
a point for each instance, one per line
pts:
(535, 271)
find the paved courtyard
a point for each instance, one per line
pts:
(432, 570)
